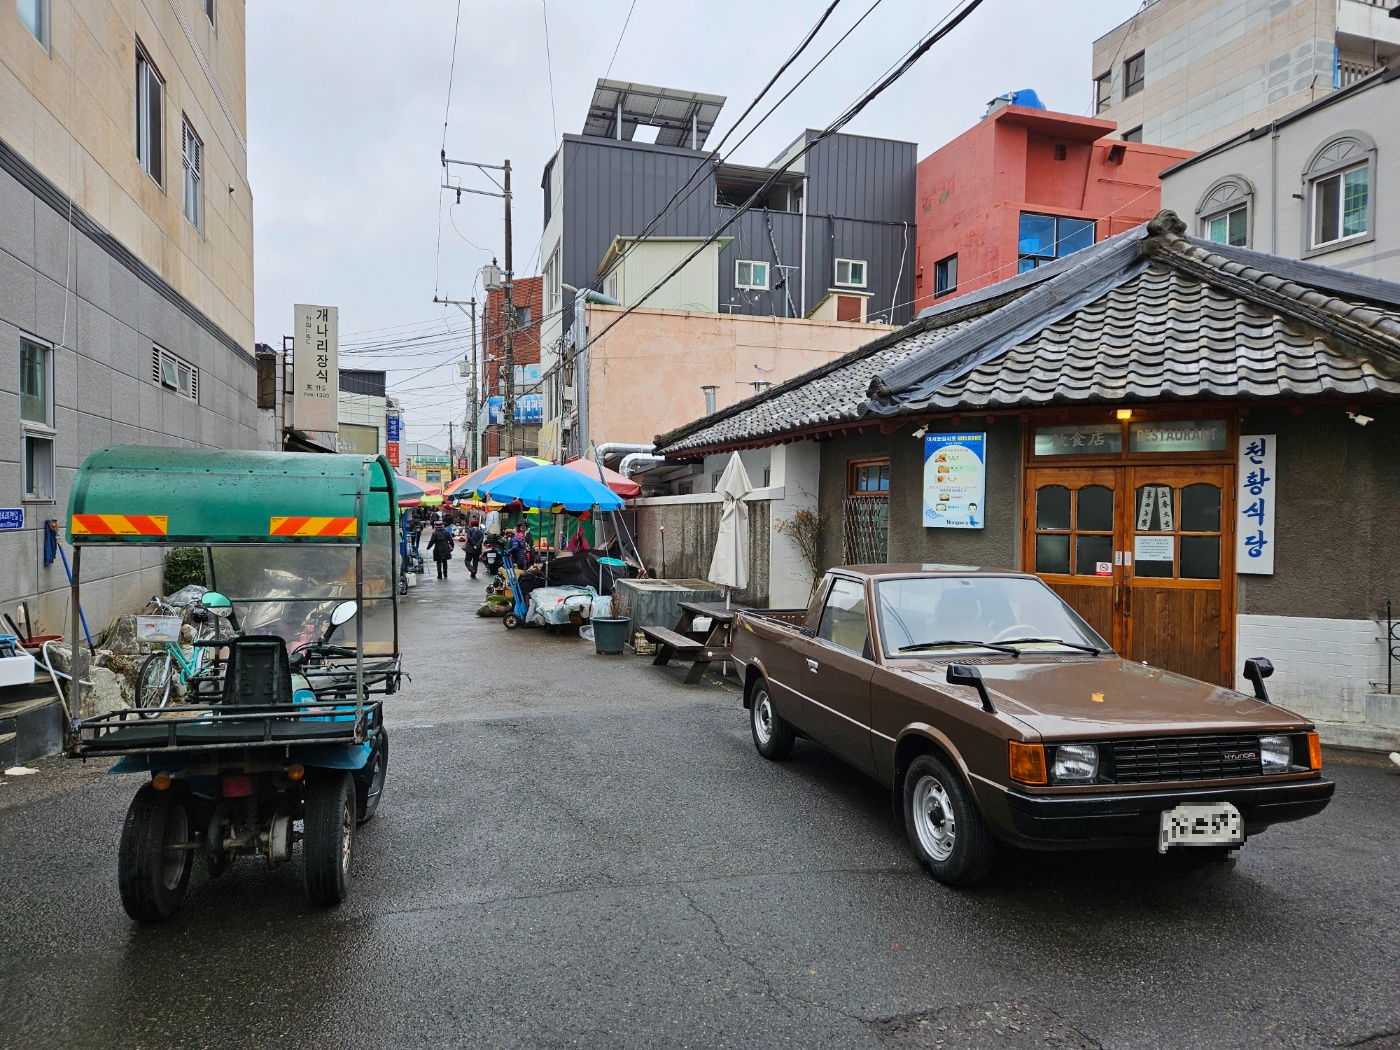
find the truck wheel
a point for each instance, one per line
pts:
(154, 861)
(328, 837)
(946, 831)
(771, 733)
(154, 680)
(369, 784)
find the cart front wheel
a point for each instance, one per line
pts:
(154, 860)
(511, 621)
(369, 785)
(154, 680)
(329, 836)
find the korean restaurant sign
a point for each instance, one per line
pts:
(1255, 502)
(1192, 435)
(315, 368)
(955, 481)
(1085, 440)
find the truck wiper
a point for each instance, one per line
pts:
(1056, 641)
(948, 643)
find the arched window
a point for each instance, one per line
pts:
(1227, 211)
(1338, 184)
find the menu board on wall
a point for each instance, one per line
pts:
(955, 481)
(1254, 502)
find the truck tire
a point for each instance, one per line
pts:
(369, 782)
(772, 735)
(946, 832)
(328, 838)
(153, 863)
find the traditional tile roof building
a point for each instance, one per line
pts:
(1194, 444)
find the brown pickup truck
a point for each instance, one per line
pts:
(993, 711)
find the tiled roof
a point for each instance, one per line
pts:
(1146, 315)
(1164, 335)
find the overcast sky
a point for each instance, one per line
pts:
(346, 108)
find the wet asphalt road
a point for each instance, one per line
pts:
(576, 850)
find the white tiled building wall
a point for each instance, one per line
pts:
(1324, 669)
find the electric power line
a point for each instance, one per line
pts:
(549, 65)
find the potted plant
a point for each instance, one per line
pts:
(610, 632)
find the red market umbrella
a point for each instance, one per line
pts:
(624, 487)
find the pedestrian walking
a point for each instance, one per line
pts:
(476, 538)
(440, 544)
(518, 547)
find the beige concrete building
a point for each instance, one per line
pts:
(1191, 73)
(651, 373)
(126, 263)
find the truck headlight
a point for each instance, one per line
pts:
(1076, 762)
(1275, 753)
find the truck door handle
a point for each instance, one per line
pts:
(812, 666)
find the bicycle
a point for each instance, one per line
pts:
(168, 665)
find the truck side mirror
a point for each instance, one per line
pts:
(1256, 669)
(969, 675)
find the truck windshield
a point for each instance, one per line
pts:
(980, 609)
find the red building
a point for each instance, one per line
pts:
(1022, 188)
(528, 297)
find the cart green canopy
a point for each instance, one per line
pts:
(140, 494)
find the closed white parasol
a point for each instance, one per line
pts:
(730, 566)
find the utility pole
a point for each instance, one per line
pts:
(506, 284)
(509, 407)
(472, 450)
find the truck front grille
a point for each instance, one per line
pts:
(1185, 758)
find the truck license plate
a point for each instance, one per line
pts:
(1207, 825)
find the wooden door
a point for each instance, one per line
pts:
(1178, 594)
(1074, 524)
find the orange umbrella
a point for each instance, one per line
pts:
(624, 487)
(473, 483)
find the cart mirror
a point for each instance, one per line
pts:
(217, 604)
(343, 613)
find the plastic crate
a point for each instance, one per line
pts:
(158, 628)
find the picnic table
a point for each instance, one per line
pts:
(684, 642)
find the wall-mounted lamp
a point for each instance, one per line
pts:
(918, 434)
(1359, 418)
(1124, 413)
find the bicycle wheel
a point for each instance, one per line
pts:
(154, 681)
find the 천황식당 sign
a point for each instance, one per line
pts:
(1254, 503)
(315, 369)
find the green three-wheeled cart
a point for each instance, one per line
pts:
(280, 739)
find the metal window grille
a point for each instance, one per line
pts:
(865, 529)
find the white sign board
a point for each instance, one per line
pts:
(955, 481)
(1254, 503)
(1154, 548)
(315, 369)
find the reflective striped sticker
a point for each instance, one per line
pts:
(290, 526)
(119, 524)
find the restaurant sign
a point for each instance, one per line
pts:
(1191, 435)
(1087, 439)
(1254, 525)
(955, 481)
(315, 369)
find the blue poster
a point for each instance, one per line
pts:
(529, 408)
(392, 425)
(12, 518)
(955, 481)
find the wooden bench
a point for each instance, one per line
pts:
(672, 646)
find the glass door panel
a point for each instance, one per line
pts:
(1072, 523)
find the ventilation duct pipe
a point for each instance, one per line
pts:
(635, 461)
(580, 329)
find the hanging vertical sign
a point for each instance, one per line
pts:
(393, 429)
(1254, 525)
(315, 368)
(955, 481)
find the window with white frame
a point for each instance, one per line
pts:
(36, 419)
(553, 292)
(1339, 198)
(1103, 92)
(193, 150)
(1224, 211)
(150, 94)
(750, 273)
(174, 373)
(34, 14)
(850, 273)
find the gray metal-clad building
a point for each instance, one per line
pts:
(850, 198)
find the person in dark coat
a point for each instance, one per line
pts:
(475, 540)
(440, 545)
